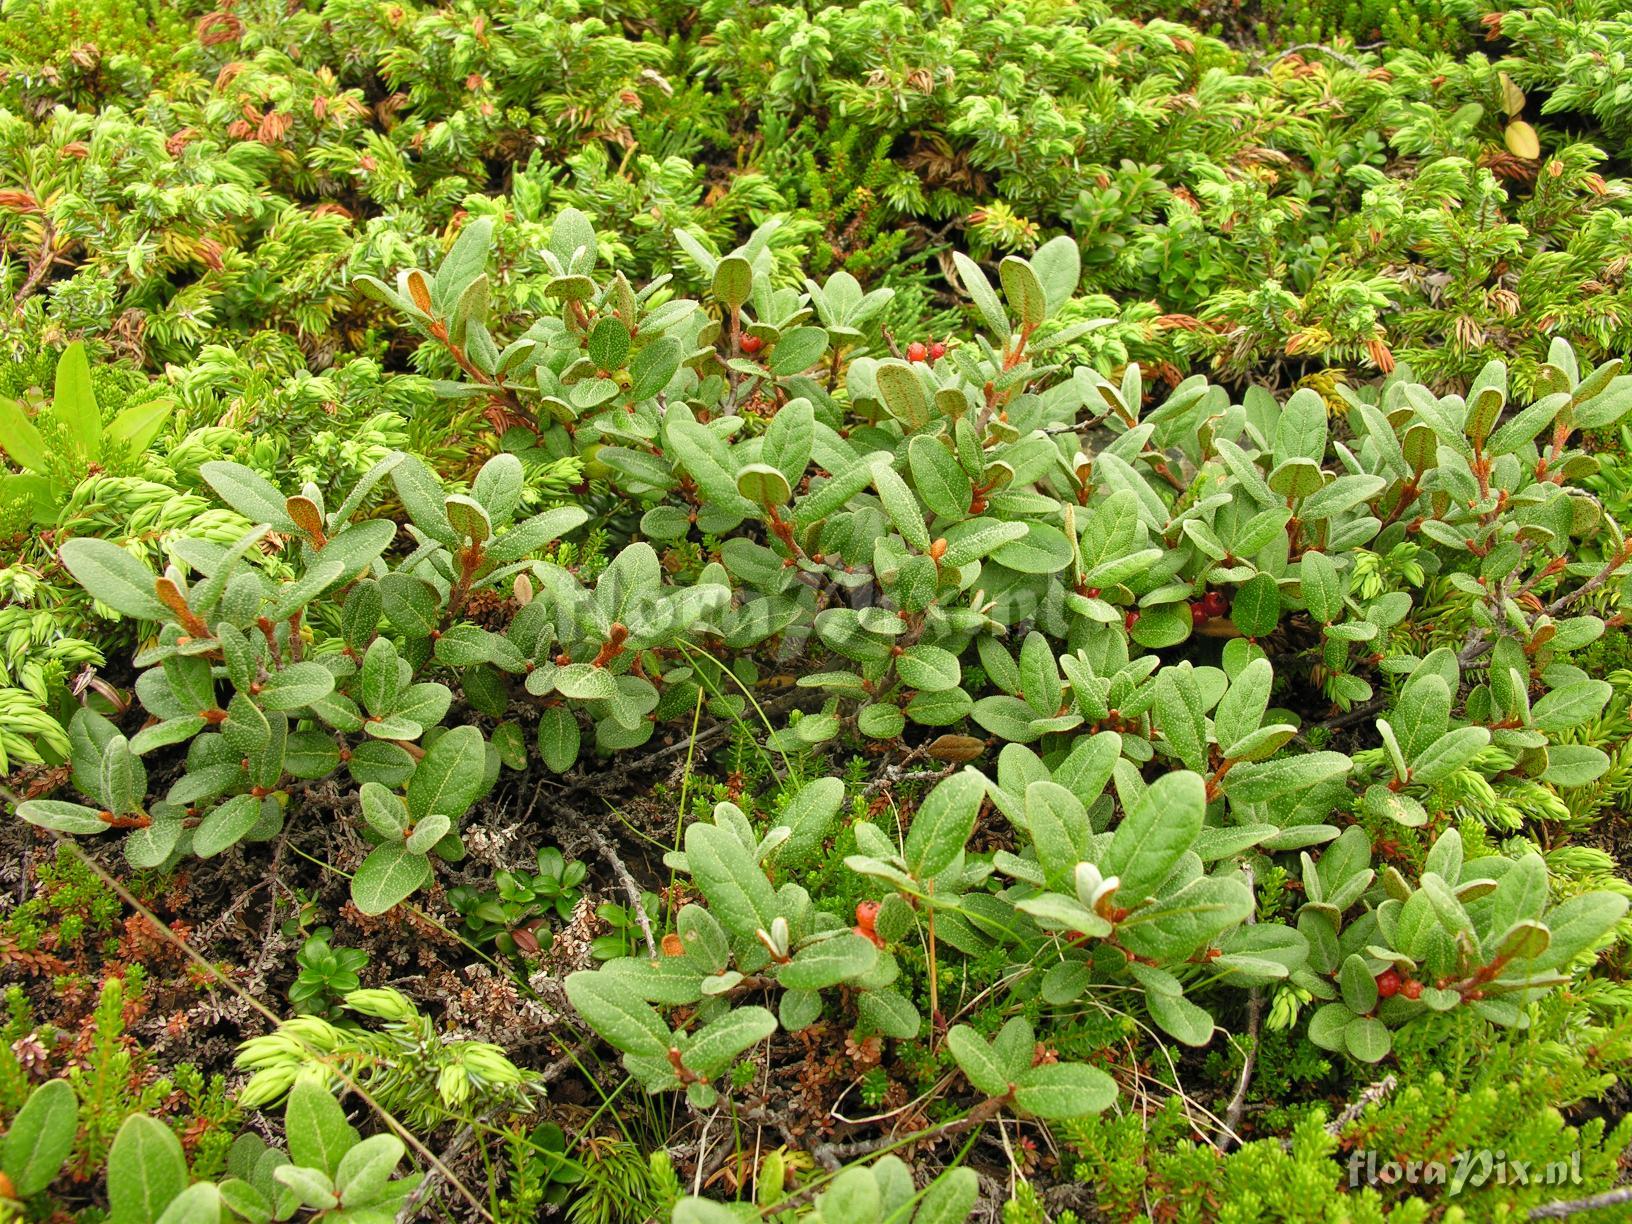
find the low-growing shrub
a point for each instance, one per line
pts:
(1183, 644)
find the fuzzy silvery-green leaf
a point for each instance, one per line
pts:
(715, 1046)
(733, 280)
(296, 686)
(980, 291)
(1322, 588)
(810, 817)
(1024, 291)
(498, 486)
(249, 493)
(1177, 924)
(427, 833)
(114, 577)
(146, 1170)
(315, 1125)
(889, 1013)
(294, 596)
(468, 517)
(1241, 710)
(789, 439)
(198, 1204)
(558, 738)
(1058, 267)
(1181, 716)
(309, 1187)
(365, 1170)
(1577, 924)
(1058, 824)
(1058, 912)
(1570, 705)
(411, 603)
(1327, 1024)
(1043, 549)
(389, 875)
(943, 822)
(1064, 1090)
(671, 981)
(901, 506)
(381, 682)
(1256, 609)
(708, 462)
(828, 962)
(451, 775)
(124, 778)
(940, 481)
(1367, 1039)
(1449, 753)
(927, 668)
(614, 1010)
(797, 350)
(384, 811)
(1179, 1017)
(1264, 781)
(1153, 836)
(1359, 987)
(977, 538)
(734, 884)
(1575, 764)
(763, 485)
(534, 533)
(976, 1060)
(41, 1138)
(693, 1210)
(226, 825)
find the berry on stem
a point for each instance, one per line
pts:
(1388, 983)
(866, 915)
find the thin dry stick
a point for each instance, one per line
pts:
(1559, 1208)
(1369, 1096)
(402, 1132)
(1249, 1052)
(422, 1192)
(598, 840)
(39, 265)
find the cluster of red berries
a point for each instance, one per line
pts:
(919, 351)
(1389, 984)
(1211, 605)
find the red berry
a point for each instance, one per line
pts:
(1215, 603)
(752, 344)
(937, 350)
(1412, 989)
(1198, 612)
(1388, 983)
(917, 351)
(1131, 618)
(866, 913)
